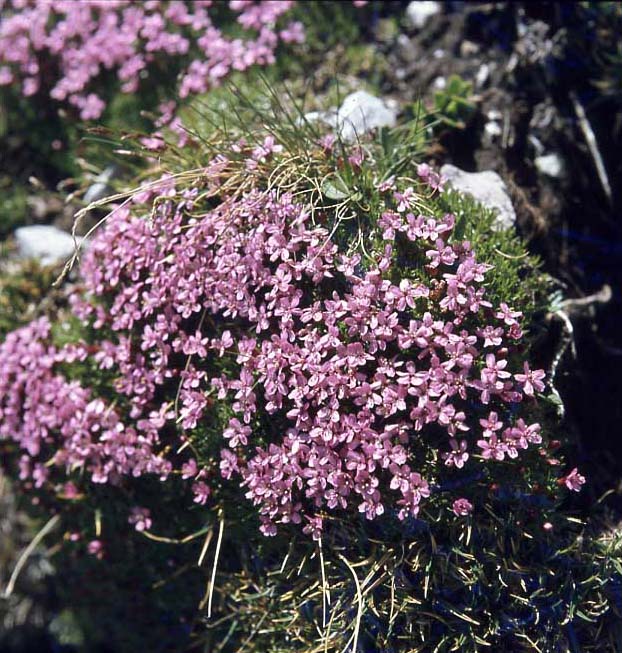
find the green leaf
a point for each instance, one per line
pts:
(460, 227)
(387, 140)
(335, 188)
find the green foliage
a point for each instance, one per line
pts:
(23, 287)
(340, 190)
(498, 582)
(516, 275)
(328, 24)
(13, 205)
(452, 104)
(39, 140)
(143, 592)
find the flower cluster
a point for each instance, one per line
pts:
(64, 47)
(59, 421)
(350, 382)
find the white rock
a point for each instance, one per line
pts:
(493, 128)
(328, 117)
(419, 12)
(551, 165)
(537, 144)
(482, 75)
(46, 243)
(361, 112)
(100, 188)
(486, 187)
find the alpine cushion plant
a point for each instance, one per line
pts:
(65, 49)
(301, 332)
(373, 369)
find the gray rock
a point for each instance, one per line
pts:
(486, 187)
(100, 188)
(468, 48)
(551, 165)
(361, 112)
(43, 242)
(419, 12)
(406, 49)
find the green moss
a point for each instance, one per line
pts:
(516, 277)
(13, 206)
(23, 287)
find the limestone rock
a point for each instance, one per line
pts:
(419, 12)
(44, 242)
(486, 187)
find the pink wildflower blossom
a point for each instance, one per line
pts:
(140, 518)
(201, 492)
(329, 396)
(96, 548)
(531, 381)
(462, 507)
(574, 480)
(84, 39)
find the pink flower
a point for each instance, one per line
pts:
(140, 518)
(327, 142)
(458, 454)
(314, 527)
(531, 380)
(405, 199)
(70, 491)
(155, 142)
(236, 433)
(96, 548)
(495, 369)
(462, 507)
(386, 185)
(293, 33)
(201, 492)
(356, 158)
(189, 469)
(507, 315)
(433, 179)
(491, 424)
(574, 480)
(492, 449)
(6, 77)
